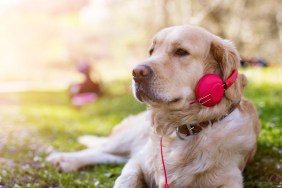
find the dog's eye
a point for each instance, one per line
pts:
(151, 51)
(181, 52)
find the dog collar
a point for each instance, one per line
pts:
(193, 129)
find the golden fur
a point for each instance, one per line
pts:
(213, 158)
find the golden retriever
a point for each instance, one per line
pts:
(213, 153)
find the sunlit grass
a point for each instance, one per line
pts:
(265, 90)
(35, 123)
(258, 76)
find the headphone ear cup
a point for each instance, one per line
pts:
(209, 90)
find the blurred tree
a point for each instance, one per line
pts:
(255, 26)
(48, 34)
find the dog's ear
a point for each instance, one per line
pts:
(227, 58)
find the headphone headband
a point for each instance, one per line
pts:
(231, 79)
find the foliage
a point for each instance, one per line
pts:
(45, 121)
(114, 34)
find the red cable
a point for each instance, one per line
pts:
(161, 146)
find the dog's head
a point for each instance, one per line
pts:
(179, 57)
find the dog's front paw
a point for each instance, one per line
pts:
(65, 162)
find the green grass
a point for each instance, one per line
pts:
(36, 123)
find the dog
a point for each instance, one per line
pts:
(198, 132)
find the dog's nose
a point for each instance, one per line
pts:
(142, 72)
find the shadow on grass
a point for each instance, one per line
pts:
(265, 169)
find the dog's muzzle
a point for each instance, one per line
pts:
(142, 76)
(142, 73)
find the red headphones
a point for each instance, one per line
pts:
(210, 88)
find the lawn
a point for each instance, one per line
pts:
(34, 124)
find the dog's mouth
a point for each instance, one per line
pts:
(147, 95)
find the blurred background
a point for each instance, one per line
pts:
(41, 41)
(52, 50)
